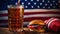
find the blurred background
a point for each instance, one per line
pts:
(33, 9)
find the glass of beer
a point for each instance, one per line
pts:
(15, 18)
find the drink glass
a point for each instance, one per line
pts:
(15, 18)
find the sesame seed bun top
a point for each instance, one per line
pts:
(39, 22)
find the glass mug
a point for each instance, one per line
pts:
(15, 18)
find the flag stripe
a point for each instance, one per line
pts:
(3, 24)
(42, 15)
(38, 18)
(2, 15)
(3, 12)
(6, 24)
(3, 21)
(4, 18)
(33, 10)
(34, 15)
(29, 19)
(29, 13)
(41, 10)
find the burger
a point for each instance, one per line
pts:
(37, 25)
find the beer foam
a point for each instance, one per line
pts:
(15, 6)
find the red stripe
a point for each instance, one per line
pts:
(2, 15)
(39, 18)
(28, 13)
(3, 21)
(31, 18)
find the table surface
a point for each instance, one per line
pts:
(6, 31)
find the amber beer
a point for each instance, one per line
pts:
(15, 18)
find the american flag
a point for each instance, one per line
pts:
(33, 9)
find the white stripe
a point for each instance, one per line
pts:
(3, 24)
(41, 15)
(25, 23)
(33, 10)
(41, 10)
(4, 12)
(51, 22)
(4, 18)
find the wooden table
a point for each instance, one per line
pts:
(6, 31)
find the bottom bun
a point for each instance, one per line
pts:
(41, 31)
